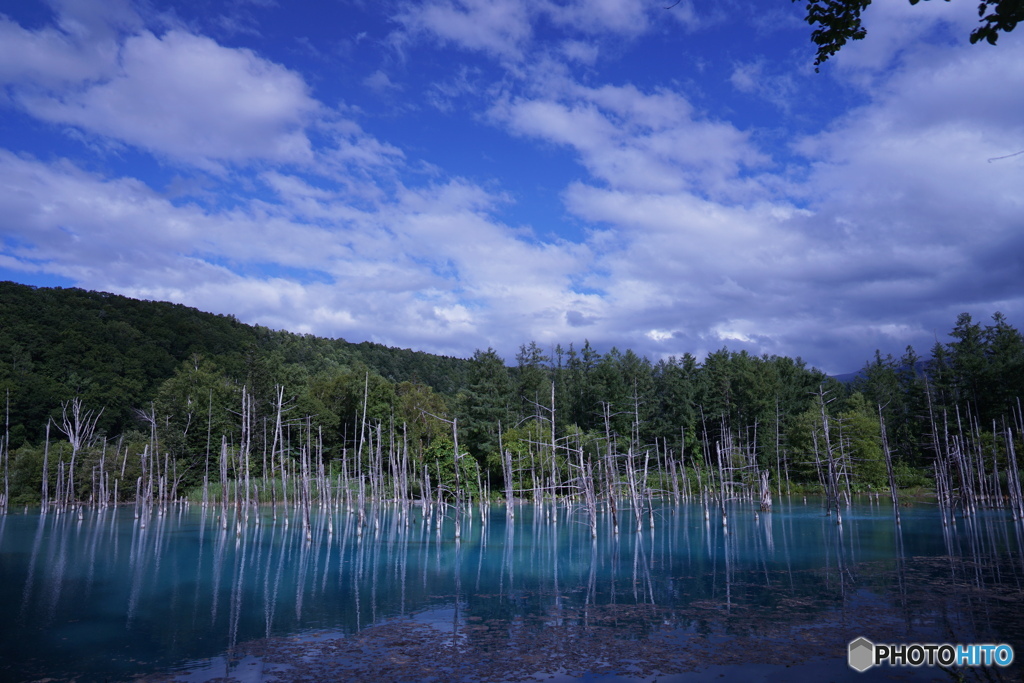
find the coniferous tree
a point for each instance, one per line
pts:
(968, 364)
(532, 380)
(1004, 380)
(582, 399)
(486, 403)
(675, 389)
(940, 378)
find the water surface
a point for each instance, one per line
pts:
(106, 597)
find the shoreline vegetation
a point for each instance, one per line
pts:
(110, 401)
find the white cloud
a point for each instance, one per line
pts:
(731, 330)
(635, 140)
(515, 279)
(61, 214)
(292, 188)
(689, 231)
(972, 86)
(601, 16)
(498, 27)
(508, 29)
(428, 269)
(684, 13)
(380, 82)
(659, 335)
(689, 267)
(906, 216)
(95, 20)
(756, 78)
(49, 57)
(187, 98)
(896, 29)
(580, 51)
(912, 166)
(747, 77)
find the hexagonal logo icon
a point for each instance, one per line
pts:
(861, 655)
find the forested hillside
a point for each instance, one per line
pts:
(115, 353)
(193, 395)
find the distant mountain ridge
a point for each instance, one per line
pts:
(848, 377)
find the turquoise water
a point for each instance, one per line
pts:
(103, 597)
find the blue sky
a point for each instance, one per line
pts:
(450, 175)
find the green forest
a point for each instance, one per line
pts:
(106, 397)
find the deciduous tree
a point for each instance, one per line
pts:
(836, 22)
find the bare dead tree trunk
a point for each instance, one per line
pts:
(458, 481)
(506, 466)
(888, 467)
(7, 453)
(766, 493)
(79, 427)
(102, 496)
(406, 502)
(610, 469)
(1013, 480)
(306, 496)
(224, 482)
(589, 494)
(673, 474)
(833, 471)
(721, 486)
(46, 468)
(554, 447)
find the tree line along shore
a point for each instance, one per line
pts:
(113, 400)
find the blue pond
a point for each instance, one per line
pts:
(101, 596)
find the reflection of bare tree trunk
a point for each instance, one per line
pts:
(591, 584)
(509, 555)
(728, 548)
(635, 495)
(237, 593)
(458, 584)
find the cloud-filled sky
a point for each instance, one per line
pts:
(449, 175)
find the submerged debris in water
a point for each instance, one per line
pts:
(630, 641)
